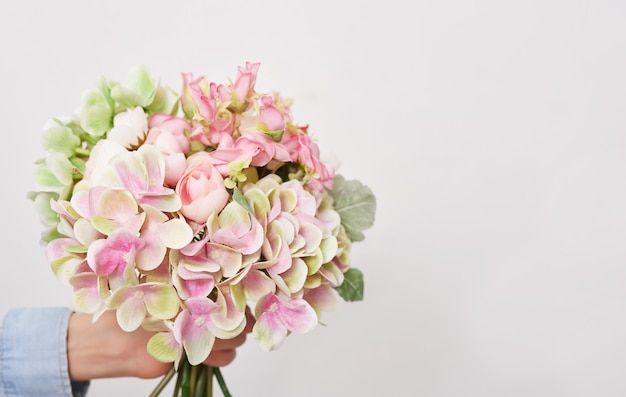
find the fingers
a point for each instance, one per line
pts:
(220, 358)
(250, 320)
(224, 350)
(229, 344)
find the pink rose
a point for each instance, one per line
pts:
(201, 188)
(270, 115)
(303, 150)
(222, 157)
(242, 89)
(263, 150)
(176, 126)
(167, 133)
(201, 96)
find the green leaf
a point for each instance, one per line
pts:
(352, 287)
(241, 200)
(356, 205)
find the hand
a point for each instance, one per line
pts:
(102, 349)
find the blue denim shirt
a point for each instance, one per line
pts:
(33, 354)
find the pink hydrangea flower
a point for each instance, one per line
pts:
(113, 255)
(202, 321)
(235, 227)
(134, 302)
(277, 317)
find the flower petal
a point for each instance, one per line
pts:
(295, 276)
(196, 338)
(161, 300)
(298, 315)
(163, 347)
(131, 313)
(175, 233)
(269, 332)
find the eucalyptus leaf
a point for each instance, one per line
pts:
(351, 289)
(356, 205)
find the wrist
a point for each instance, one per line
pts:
(101, 349)
(93, 350)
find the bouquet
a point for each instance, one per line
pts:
(181, 212)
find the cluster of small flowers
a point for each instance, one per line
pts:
(179, 223)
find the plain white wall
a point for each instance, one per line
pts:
(492, 132)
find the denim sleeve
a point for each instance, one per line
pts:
(33, 354)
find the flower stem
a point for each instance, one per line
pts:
(179, 380)
(193, 380)
(209, 382)
(164, 381)
(185, 374)
(201, 382)
(221, 382)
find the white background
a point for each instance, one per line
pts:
(492, 132)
